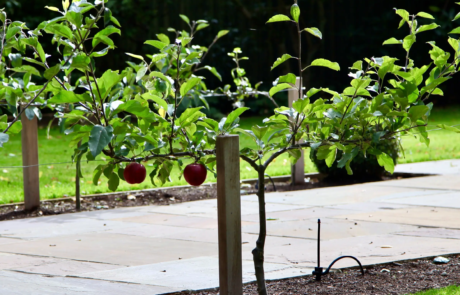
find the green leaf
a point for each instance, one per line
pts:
(135, 56)
(417, 112)
(392, 41)
(408, 42)
(214, 71)
(75, 18)
(386, 161)
(187, 86)
(163, 38)
(427, 28)
(185, 18)
(115, 21)
(425, 15)
(201, 27)
(278, 88)
(289, 78)
(52, 8)
(3, 138)
(97, 174)
(27, 69)
(52, 72)
(11, 32)
(59, 30)
(189, 116)
(294, 155)
(15, 128)
(455, 31)
(278, 18)
(65, 96)
(114, 181)
(155, 43)
(259, 132)
(280, 60)
(295, 12)
(102, 35)
(222, 33)
(41, 52)
(100, 137)
(327, 153)
(80, 62)
(161, 76)
(456, 17)
(161, 102)
(321, 62)
(100, 53)
(444, 126)
(233, 115)
(403, 14)
(315, 32)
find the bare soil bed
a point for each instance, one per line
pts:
(392, 278)
(167, 196)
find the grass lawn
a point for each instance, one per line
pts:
(57, 180)
(451, 290)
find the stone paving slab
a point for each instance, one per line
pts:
(367, 249)
(446, 199)
(60, 225)
(208, 208)
(396, 220)
(113, 248)
(434, 167)
(14, 283)
(4, 241)
(195, 273)
(172, 220)
(50, 266)
(330, 228)
(442, 182)
(421, 216)
(433, 233)
(357, 193)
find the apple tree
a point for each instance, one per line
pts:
(152, 110)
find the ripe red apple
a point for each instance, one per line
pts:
(134, 173)
(195, 174)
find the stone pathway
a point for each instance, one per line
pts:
(162, 249)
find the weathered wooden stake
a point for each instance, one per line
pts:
(229, 215)
(298, 169)
(29, 139)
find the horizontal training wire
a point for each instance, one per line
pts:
(46, 164)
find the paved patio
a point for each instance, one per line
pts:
(161, 249)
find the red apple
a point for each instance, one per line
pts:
(195, 174)
(134, 173)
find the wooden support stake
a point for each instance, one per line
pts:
(229, 215)
(298, 169)
(29, 139)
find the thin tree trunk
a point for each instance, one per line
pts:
(258, 252)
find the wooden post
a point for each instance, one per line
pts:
(29, 138)
(298, 169)
(229, 215)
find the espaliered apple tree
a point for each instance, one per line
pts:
(151, 111)
(388, 98)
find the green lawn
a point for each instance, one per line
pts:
(451, 290)
(57, 180)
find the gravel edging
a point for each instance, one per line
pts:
(395, 278)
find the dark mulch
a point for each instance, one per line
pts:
(403, 278)
(166, 196)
